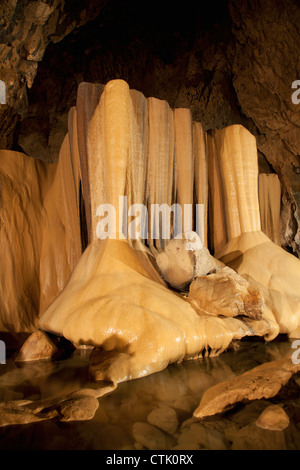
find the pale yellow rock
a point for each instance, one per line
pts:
(274, 271)
(205, 263)
(183, 259)
(176, 263)
(273, 418)
(225, 293)
(61, 240)
(90, 143)
(263, 381)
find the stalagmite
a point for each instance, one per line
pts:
(113, 300)
(248, 250)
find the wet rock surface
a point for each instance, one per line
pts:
(226, 293)
(63, 409)
(263, 381)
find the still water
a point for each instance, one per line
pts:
(123, 419)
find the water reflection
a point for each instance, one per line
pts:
(123, 415)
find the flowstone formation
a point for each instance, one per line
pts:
(239, 241)
(114, 299)
(140, 303)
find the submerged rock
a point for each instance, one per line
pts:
(264, 381)
(78, 408)
(21, 412)
(273, 418)
(151, 437)
(252, 438)
(164, 418)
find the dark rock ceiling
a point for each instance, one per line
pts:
(229, 62)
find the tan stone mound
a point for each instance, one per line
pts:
(112, 303)
(225, 293)
(274, 271)
(264, 381)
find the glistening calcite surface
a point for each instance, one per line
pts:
(113, 299)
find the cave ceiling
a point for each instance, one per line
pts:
(233, 63)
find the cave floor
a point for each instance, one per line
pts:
(124, 416)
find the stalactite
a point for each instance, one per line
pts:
(201, 179)
(245, 247)
(269, 204)
(184, 159)
(114, 299)
(122, 146)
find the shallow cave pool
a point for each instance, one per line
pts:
(154, 412)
